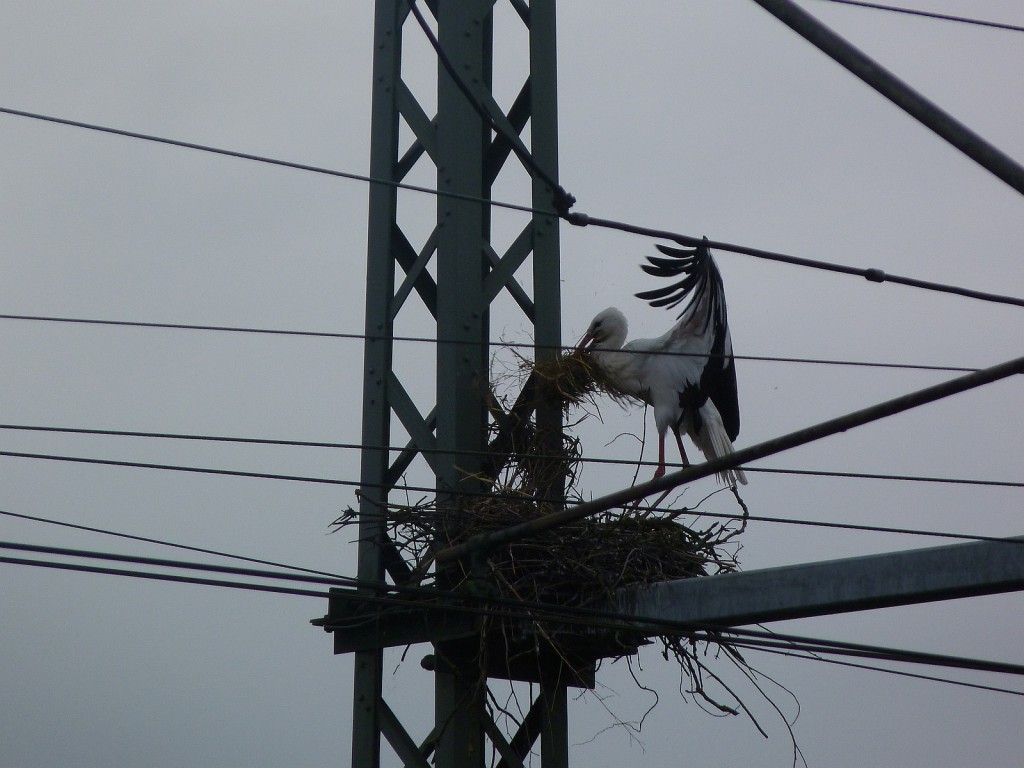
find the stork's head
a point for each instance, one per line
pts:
(607, 330)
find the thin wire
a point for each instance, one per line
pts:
(871, 274)
(930, 15)
(266, 160)
(210, 438)
(503, 344)
(583, 459)
(164, 543)
(885, 670)
(753, 639)
(479, 494)
(507, 608)
(883, 476)
(176, 468)
(171, 577)
(837, 648)
(576, 219)
(197, 327)
(179, 564)
(840, 526)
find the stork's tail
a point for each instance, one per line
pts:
(714, 443)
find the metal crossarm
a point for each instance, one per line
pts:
(834, 586)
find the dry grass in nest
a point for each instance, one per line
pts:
(580, 564)
(572, 379)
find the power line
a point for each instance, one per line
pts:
(480, 494)
(582, 459)
(886, 670)
(835, 525)
(873, 74)
(871, 274)
(615, 620)
(262, 159)
(176, 468)
(883, 476)
(178, 564)
(170, 577)
(426, 340)
(164, 543)
(861, 650)
(576, 219)
(930, 15)
(513, 610)
(944, 125)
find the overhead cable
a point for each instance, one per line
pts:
(577, 219)
(871, 274)
(481, 494)
(427, 340)
(886, 670)
(164, 543)
(873, 74)
(178, 564)
(262, 159)
(177, 468)
(155, 576)
(930, 15)
(519, 454)
(525, 610)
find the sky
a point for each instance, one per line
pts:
(706, 118)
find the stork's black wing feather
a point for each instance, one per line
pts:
(681, 262)
(701, 279)
(699, 274)
(719, 382)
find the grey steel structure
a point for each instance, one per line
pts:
(454, 274)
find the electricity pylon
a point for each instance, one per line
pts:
(451, 276)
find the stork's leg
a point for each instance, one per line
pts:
(679, 442)
(661, 457)
(660, 465)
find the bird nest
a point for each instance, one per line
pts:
(581, 564)
(536, 589)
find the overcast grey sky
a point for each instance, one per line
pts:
(702, 117)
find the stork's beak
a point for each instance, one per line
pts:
(587, 340)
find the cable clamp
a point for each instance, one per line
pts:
(874, 275)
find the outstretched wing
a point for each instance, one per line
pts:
(704, 318)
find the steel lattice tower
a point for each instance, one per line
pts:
(454, 273)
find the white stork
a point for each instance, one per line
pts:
(688, 374)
